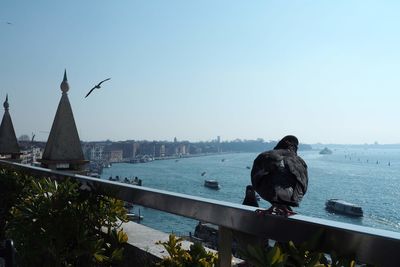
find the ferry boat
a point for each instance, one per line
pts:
(343, 207)
(211, 184)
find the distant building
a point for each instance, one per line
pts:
(63, 149)
(113, 155)
(9, 148)
(94, 151)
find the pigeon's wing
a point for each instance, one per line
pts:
(91, 90)
(265, 163)
(298, 168)
(103, 81)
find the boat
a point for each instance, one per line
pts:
(128, 205)
(325, 151)
(211, 184)
(116, 179)
(93, 174)
(134, 217)
(135, 181)
(343, 207)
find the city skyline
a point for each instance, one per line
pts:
(324, 71)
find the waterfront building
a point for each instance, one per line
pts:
(159, 150)
(113, 155)
(94, 151)
(9, 148)
(63, 149)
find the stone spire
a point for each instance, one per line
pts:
(64, 84)
(9, 147)
(63, 149)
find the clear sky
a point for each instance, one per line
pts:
(326, 71)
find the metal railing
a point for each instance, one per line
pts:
(368, 245)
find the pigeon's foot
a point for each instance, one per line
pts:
(285, 211)
(280, 210)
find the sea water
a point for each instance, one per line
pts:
(367, 177)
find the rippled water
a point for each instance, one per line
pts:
(361, 176)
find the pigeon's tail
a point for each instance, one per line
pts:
(250, 197)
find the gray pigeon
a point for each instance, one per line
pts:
(280, 176)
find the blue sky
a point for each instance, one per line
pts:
(326, 71)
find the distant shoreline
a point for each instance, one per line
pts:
(180, 157)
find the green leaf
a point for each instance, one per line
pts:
(100, 257)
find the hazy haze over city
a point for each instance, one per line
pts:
(326, 71)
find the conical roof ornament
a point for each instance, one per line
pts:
(64, 84)
(8, 140)
(63, 148)
(6, 105)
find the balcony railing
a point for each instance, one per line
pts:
(369, 245)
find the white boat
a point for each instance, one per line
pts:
(134, 217)
(211, 184)
(93, 174)
(344, 207)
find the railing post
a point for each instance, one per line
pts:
(224, 246)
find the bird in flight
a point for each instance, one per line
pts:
(98, 86)
(280, 177)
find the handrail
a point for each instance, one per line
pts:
(368, 245)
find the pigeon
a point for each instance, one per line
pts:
(96, 87)
(280, 177)
(250, 197)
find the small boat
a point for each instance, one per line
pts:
(203, 173)
(128, 205)
(135, 181)
(325, 151)
(113, 179)
(211, 184)
(94, 174)
(343, 207)
(134, 217)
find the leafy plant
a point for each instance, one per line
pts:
(290, 255)
(11, 187)
(301, 255)
(196, 256)
(260, 257)
(57, 224)
(337, 261)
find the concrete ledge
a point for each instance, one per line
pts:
(142, 249)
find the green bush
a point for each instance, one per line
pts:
(197, 256)
(11, 187)
(290, 255)
(57, 224)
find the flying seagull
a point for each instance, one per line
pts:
(280, 177)
(96, 87)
